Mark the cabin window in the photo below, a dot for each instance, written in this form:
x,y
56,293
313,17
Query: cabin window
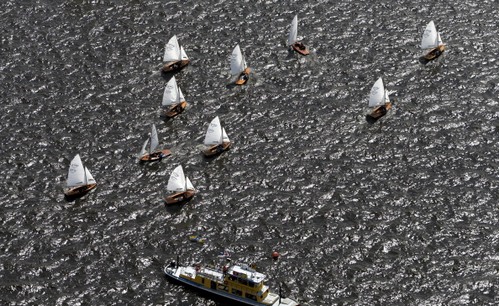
x,y
202,280
238,292
243,281
222,287
251,296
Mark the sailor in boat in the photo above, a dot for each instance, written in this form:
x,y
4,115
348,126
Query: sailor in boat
x,y
244,77
155,155
299,45
178,108
435,53
380,111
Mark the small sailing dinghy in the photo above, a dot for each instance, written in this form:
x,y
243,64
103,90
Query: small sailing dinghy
x,y
152,154
180,187
293,42
175,58
432,44
378,98
238,68
216,140
173,99
80,181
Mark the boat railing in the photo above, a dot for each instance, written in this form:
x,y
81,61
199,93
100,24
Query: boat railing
x,y
203,272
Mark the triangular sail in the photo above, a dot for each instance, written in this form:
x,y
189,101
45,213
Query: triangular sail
x,y
171,93
183,55
214,133
89,178
439,39
387,96
176,183
293,31
188,184
225,138
76,173
237,63
430,37
143,151
377,93
154,139
172,50
180,96
243,63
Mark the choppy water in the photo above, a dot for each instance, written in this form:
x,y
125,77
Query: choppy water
x,y
399,214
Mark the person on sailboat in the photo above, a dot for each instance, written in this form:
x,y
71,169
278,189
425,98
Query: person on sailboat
x,y
244,77
178,108
220,148
382,110
300,45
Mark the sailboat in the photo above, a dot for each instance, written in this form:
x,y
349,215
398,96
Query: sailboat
x,y
173,99
432,43
293,42
80,181
378,98
151,154
216,139
180,187
175,58
238,68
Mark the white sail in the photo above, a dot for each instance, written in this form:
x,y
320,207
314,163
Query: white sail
x,y
154,139
387,96
376,97
225,138
237,62
172,50
171,93
188,184
439,39
144,151
89,178
430,37
183,55
293,31
76,173
214,133
180,96
176,183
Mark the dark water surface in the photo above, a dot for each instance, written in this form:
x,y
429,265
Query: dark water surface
x,y
400,214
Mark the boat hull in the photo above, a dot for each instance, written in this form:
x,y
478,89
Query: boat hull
x,y
243,77
432,55
378,113
156,156
175,66
217,149
181,197
300,48
175,110
78,192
